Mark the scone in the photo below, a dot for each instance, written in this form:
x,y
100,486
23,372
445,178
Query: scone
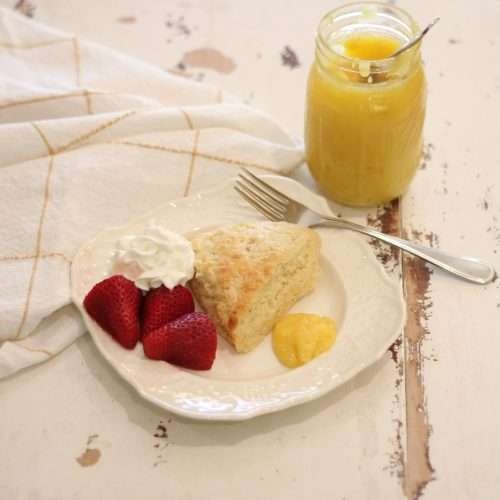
x,y
248,276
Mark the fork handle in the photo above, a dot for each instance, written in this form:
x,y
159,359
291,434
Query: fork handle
x,y
468,268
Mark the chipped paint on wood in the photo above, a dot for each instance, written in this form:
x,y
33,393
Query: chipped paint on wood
x,y
161,434
289,57
387,221
209,58
432,239
418,468
178,26
426,155
397,456
413,468
127,19
444,182
394,351
485,202
91,455
161,431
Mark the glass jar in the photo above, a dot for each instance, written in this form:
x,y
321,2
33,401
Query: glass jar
x,y
365,109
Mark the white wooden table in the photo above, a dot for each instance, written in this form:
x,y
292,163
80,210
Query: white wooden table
x,y
422,422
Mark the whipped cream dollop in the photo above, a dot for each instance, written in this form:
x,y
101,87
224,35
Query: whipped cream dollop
x,y
155,257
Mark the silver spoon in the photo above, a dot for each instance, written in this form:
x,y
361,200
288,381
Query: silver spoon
x,y
417,39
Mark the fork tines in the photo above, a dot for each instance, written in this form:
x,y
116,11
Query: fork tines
x,y
263,197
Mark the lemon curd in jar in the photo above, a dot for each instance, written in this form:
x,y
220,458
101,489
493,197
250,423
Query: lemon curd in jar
x,y
365,109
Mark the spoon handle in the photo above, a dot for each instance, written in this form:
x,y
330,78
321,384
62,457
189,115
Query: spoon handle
x,y
468,268
417,39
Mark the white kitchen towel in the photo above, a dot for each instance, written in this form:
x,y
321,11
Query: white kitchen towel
x,y
90,138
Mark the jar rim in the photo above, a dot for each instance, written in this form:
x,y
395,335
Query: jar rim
x,y
324,46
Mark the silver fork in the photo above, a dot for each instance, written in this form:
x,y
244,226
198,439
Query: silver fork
x,y
276,206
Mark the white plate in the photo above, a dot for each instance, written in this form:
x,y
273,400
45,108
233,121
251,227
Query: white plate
x,y
353,288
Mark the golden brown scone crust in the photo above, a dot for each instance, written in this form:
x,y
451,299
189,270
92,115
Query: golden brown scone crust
x,y
248,275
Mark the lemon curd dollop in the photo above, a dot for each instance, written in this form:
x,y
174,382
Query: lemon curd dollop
x,y
365,109
299,338
369,46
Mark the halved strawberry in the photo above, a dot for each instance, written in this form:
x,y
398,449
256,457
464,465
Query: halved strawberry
x,y
162,305
189,341
114,305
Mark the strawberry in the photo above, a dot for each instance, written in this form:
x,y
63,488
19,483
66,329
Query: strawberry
x,y
192,341
114,305
162,305
189,341
155,344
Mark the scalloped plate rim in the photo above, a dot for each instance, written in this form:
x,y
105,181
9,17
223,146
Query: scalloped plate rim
x,y
257,410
